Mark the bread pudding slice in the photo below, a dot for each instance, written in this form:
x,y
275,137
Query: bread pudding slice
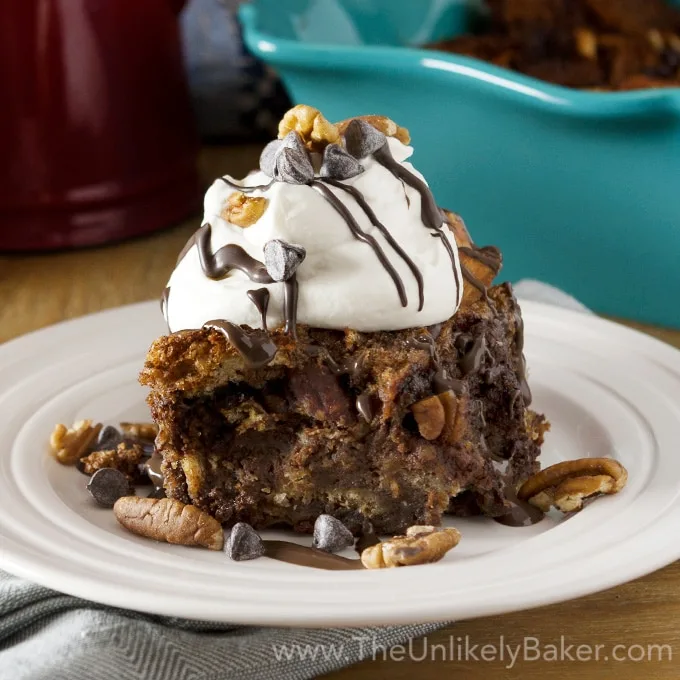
x,y
329,427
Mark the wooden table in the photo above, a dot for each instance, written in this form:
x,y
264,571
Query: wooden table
x,y
38,290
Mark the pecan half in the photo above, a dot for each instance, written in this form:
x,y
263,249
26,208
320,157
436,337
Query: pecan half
x,y
430,416
386,125
567,484
316,131
169,520
242,210
147,431
70,444
586,43
420,545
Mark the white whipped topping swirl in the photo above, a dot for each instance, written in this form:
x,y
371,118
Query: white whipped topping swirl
x,y
342,284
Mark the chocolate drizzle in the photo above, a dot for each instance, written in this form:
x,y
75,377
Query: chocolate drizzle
x,y
285,551
218,265
366,407
442,382
472,360
256,347
524,389
429,211
260,298
361,235
488,255
246,190
363,204
290,301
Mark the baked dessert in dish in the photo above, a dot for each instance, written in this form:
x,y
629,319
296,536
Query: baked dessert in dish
x,y
592,44
336,347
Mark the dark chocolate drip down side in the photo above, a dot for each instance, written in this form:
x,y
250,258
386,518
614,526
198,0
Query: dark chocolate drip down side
x,y
360,235
363,204
521,513
293,553
488,255
366,407
219,264
246,190
473,280
260,298
290,301
441,380
429,211
256,347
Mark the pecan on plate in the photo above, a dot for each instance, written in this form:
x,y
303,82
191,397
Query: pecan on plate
x,y
567,484
169,520
420,545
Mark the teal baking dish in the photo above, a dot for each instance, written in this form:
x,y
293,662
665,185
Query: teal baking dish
x,y
579,189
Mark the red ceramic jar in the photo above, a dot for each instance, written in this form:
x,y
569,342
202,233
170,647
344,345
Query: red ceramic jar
x,y
97,140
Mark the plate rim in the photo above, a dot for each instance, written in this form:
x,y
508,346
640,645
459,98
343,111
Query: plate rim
x,y
657,352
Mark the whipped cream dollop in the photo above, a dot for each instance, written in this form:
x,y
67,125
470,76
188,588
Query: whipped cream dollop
x,y
341,282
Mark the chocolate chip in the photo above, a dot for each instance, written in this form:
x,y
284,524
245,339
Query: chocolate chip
x,y
338,164
331,535
268,157
362,139
107,485
282,259
109,438
294,166
244,543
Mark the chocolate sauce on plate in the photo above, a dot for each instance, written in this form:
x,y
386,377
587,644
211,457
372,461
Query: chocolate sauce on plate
x,y
285,551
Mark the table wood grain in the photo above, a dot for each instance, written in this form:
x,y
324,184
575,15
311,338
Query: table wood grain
x,y
38,290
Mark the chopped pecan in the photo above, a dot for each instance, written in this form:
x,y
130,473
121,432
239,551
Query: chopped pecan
x,y
243,210
420,545
146,431
655,39
69,445
169,520
311,125
586,43
567,484
430,416
123,458
449,402
382,123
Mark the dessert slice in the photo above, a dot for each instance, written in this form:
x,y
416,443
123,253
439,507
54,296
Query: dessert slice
x,y
337,347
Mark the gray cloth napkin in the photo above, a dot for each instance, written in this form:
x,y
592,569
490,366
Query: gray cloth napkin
x,y
45,635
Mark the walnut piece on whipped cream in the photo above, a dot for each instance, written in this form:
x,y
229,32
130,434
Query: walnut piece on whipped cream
x,y
314,129
242,210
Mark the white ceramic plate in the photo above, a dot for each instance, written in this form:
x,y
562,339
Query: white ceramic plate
x,y
607,390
